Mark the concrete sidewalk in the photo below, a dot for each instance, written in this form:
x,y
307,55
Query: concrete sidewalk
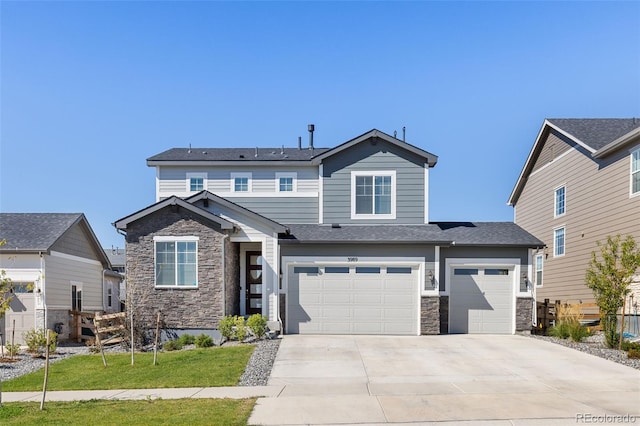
x,y
233,392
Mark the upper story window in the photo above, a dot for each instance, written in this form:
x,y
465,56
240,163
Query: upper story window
x,y
558,242
176,262
560,201
538,270
196,182
635,172
373,195
286,182
240,182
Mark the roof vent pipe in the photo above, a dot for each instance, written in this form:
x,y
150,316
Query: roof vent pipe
x,y
256,151
311,128
282,150
299,142
404,131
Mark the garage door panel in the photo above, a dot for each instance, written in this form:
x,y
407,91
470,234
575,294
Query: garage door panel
x,y
353,303
481,302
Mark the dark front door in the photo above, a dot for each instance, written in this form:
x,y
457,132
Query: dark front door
x,y
254,282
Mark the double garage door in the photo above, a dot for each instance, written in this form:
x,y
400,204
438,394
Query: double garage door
x,y
481,300
339,299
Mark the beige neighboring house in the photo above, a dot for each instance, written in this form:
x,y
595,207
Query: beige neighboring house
x,y
580,183
56,264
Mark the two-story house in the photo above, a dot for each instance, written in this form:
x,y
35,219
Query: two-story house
x,y
580,184
320,240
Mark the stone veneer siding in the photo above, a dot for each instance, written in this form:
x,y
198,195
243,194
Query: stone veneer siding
x,y
283,311
181,308
232,277
430,315
524,314
444,314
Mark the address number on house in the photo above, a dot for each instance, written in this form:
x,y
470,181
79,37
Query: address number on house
x,y
352,259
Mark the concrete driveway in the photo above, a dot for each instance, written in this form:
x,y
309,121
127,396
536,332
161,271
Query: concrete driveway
x,y
482,379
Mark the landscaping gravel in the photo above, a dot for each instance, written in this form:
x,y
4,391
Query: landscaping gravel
x,y
594,345
26,363
259,367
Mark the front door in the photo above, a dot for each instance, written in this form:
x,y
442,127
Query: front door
x,y
254,283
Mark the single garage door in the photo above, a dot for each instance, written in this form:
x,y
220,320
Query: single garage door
x,y
481,300
338,299
21,315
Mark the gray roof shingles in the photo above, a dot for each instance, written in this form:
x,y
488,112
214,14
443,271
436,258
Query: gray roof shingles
x,y
34,231
443,233
238,154
596,132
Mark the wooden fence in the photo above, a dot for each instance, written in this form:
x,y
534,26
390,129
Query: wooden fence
x,y
106,329
547,313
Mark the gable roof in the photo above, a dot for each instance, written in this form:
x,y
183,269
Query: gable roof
x,y
172,201
598,136
431,159
206,195
505,234
38,232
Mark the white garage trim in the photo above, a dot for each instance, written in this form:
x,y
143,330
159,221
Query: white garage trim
x,y
288,262
510,263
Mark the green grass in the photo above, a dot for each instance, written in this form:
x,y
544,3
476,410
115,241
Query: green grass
x,y
225,412
192,368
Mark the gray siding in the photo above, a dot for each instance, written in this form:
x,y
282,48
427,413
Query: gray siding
x,y
390,251
597,205
76,243
556,145
61,271
366,156
282,210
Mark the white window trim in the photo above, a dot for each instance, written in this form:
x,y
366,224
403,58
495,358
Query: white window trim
x,y
79,286
294,185
247,175
535,269
555,249
632,151
373,173
555,201
197,175
165,238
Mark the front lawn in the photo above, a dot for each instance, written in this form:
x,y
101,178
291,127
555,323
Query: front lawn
x,y
190,368
155,412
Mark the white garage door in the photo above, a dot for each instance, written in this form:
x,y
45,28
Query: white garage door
x,y
353,299
481,300
21,315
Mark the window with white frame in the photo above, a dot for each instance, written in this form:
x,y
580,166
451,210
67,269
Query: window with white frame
x,y
241,182
558,242
560,201
538,269
196,182
76,296
635,172
176,261
286,182
373,195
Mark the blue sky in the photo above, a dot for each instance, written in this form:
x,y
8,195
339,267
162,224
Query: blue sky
x,y
90,90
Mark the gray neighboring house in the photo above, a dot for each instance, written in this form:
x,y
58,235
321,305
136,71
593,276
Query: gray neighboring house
x,y
579,184
115,292
320,240
56,264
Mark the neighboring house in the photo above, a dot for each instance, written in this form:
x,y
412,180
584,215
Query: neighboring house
x,y
330,240
580,183
56,264
115,289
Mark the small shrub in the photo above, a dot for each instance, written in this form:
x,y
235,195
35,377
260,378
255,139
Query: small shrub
x,y
240,331
203,341
258,325
53,341
36,340
633,353
627,345
187,339
226,327
172,345
12,350
561,330
578,332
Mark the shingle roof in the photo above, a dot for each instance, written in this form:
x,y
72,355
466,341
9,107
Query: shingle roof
x,y
237,154
596,132
442,233
34,231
